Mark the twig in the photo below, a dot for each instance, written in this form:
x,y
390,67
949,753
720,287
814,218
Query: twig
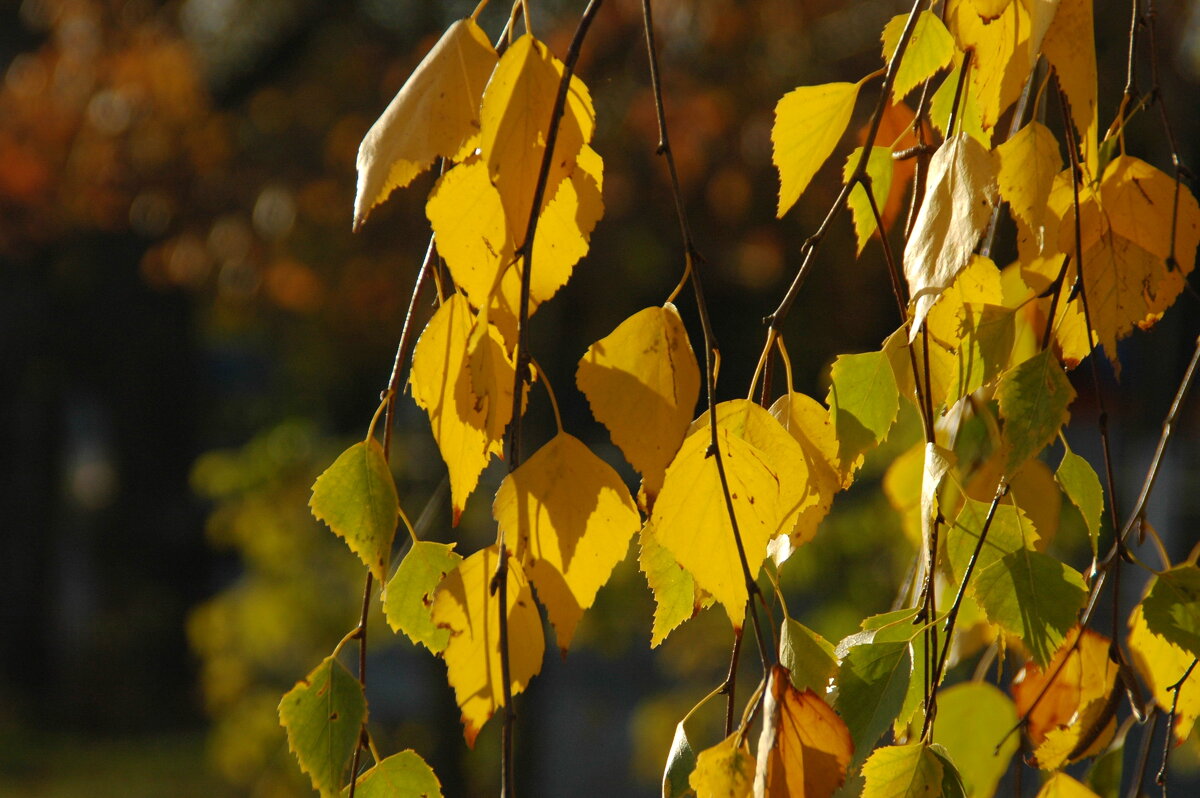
x,y
729,687
361,634
1176,688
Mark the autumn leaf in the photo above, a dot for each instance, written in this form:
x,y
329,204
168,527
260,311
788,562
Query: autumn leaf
x,y
570,518
879,170
1079,481
356,498
903,771
804,749
1161,665
1172,608
1025,168
768,485
808,421
642,383
809,122
807,656
323,715
930,49
1070,47
998,46
676,596
408,598
471,229
1034,398
1060,785
398,776
973,723
491,370
465,605
433,115
724,771
958,200
863,402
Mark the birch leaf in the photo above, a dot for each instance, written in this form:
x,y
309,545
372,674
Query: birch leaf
x,y
465,605
807,656
409,595
724,771
1034,398
570,517
998,45
468,221
903,771
958,201
323,715
973,720
809,122
435,113
1079,481
930,49
676,597
1060,785
402,775
1172,608
804,749
1162,664
1070,47
863,402
879,168
356,498
1025,168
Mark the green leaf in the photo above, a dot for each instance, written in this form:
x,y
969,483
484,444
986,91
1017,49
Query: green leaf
x,y
681,761
879,168
952,783
863,402
402,775
408,599
930,49
1034,597
985,343
897,627
356,498
1079,481
1172,608
903,771
872,681
323,715
1011,531
1104,777
807,656
973,721
1034,397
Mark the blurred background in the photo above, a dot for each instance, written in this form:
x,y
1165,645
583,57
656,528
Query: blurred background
x,y
190,334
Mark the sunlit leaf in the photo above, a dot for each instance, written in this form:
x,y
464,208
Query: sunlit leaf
x,y
809,122
569,517
1172,608
1010,531
642,382
809,423
356,497
903,771
724,771
1025,168
676,596
402,775
807,656
408,599
879,169
1060,785
323,715
465,605
1079,481
804,749
1000,53
959,196
863,402
434,114
1161,665
471,229
1034,398
873,679
1070,47
930,49
973,723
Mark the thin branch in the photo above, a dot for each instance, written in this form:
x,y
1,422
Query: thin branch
x,y
361,634
729,687
1176,688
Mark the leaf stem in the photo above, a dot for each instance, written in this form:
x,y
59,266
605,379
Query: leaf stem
x,y
549,392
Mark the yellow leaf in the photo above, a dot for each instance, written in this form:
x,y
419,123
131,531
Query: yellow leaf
x,y
809,122
1139,200
435,113
807,420
724,771
1025,168
804,749
492,375
570,518
879,169
441,385
1001,53
1070,47
1060,785
958,201
1161,665
930,49
468,223
969,118
902,486
1041,14
676,597
937,462
515,124
465,604
769,487
990,9
642,382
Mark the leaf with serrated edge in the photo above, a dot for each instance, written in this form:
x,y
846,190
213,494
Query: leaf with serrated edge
x,y
435,113
676,596
642,382
863,402
1033,596
356,497
1010,531
465,605
1172,608
1070,47
1025,168
724,771
408,597
807,656
1034,397
973,721
1079,481
903,771
402,775
1060,785
880,167
804,749
998,46
569,518
323,715
930,49
1161,665
809,122
959,196
873,680
807,420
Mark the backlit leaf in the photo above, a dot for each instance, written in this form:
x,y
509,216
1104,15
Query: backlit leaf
x,y
1025,168
465,605
958,201
967,116
1138,203
1060,785
973,721
402,775
642,382
1079,481
863,402
873,679
323,715
1161,665
1000,50
676,596
724,771
807,656
570,518
808,422
408,599
441,384
1172,608
1010,531
903,771
1034,398
356,497
768,485
930,49
1070,47
435,113
879,169
809,122
468,221
804,749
